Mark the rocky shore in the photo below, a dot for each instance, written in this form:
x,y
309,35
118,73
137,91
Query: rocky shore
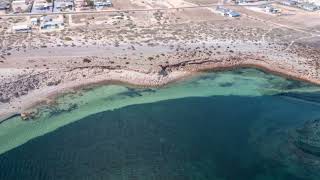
x,y
19,93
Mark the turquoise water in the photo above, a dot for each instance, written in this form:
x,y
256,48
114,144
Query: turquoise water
x,y
233,125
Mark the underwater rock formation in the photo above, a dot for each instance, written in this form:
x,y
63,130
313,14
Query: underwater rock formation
x,y
308,137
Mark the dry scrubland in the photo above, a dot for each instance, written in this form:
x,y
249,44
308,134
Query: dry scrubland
x,y
152,48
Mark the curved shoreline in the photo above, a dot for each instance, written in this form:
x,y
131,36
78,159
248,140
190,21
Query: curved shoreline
x,y
147,80
290,76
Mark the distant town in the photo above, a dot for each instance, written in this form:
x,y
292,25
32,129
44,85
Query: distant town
x,y
48,6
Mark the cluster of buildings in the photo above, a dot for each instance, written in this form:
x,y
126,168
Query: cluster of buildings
x,y
248,1
51,21
315,2
47,6
43,24
227,12
309,5
33,6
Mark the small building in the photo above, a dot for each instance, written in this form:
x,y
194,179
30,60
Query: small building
x,y
241,1
63,5
81,4
233,13
289,3
34,21
222,11
102,3
270,9
21,28
42,6
53,22
227,12
4,6
19,6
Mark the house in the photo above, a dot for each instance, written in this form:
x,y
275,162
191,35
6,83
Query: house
x,y
231,13
242,1
227,12
270,9
42,6
102,3
19,6
34,21
53,22
289,3
63,5
222,11
4,6
21,28
80,4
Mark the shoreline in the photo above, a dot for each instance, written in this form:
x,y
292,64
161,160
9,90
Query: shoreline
x,y
147,80
289,76
33,100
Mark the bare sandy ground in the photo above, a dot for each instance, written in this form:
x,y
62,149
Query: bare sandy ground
x,y
150,48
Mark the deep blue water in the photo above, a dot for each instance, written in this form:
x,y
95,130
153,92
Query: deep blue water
x,y
212,138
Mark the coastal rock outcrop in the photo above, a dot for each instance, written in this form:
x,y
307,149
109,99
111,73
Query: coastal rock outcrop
x,y
28,115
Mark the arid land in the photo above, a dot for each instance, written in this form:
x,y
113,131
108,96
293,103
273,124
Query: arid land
x,y
151,48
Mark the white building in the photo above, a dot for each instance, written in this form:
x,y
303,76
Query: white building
x,y
42,6
63,5
21,28
227,12
34,21
19,6
52,22
289,2
4,6
80,4
102,3
270,9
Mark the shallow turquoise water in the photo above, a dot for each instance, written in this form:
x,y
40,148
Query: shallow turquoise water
x,y
235,125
